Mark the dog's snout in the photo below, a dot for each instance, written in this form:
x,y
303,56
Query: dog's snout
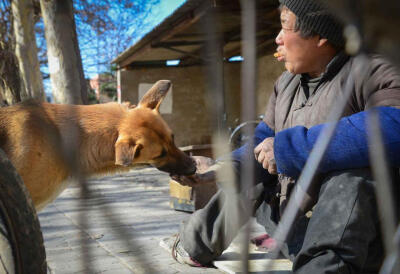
x,y
189,165
185,165
193,166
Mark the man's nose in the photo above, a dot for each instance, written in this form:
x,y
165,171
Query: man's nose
x,y
278,39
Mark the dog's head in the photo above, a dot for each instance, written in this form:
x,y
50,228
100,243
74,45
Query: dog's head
x,y
145,138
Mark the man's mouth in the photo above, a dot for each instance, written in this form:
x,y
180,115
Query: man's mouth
x,y
279,56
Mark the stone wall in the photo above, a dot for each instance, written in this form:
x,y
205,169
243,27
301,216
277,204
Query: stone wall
x,y
190,119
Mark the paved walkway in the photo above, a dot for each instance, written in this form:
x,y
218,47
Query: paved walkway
x,y
120,227
126,217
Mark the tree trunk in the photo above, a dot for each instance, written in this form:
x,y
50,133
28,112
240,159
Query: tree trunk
x,y
10,84
65,64
26,50
8,97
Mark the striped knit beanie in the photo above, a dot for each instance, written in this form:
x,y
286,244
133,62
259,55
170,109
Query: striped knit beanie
x,y
316,16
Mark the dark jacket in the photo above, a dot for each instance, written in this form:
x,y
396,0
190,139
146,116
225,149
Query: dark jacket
x,y
289,107
296,120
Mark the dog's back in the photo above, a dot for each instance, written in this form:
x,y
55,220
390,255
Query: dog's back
x,y
32,141
22,126
49,142
44,140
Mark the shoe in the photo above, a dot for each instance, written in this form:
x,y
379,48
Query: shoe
x,y
173,244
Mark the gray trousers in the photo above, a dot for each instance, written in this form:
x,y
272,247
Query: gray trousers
x,y
342,236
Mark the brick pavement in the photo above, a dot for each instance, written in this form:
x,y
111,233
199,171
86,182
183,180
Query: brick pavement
x,y
120,227
127,216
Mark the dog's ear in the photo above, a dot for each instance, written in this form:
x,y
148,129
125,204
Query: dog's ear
x,y
125,152
155,95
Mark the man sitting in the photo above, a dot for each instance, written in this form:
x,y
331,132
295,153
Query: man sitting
x,y
343,234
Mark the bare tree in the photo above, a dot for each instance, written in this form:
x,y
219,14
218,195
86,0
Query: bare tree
x,y
64,59
107,27
9,73
26,50
104,27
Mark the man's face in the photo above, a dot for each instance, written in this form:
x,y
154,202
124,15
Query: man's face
x,y
298,53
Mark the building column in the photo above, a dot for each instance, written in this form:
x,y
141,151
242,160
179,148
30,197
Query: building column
x,y
119,84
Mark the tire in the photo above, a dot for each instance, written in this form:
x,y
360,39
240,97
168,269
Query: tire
x,y
19,219
238,136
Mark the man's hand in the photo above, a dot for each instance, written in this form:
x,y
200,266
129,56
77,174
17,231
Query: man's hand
x,y
264,154
202,163
202,175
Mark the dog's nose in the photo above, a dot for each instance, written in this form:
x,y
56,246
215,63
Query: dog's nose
x,y
188,168
192,168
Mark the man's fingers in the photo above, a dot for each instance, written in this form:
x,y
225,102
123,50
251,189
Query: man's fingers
x,y
266,146
265,164
272,166
272,170
257,149
260,158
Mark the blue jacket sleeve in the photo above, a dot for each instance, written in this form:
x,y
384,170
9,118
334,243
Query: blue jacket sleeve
x,y
347,149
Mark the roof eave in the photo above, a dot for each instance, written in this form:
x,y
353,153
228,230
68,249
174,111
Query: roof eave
x,y
167,24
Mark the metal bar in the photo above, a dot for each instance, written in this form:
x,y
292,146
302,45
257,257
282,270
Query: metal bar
x,y
215,99
71,156
248,113
384,193
119,91
392,260
215,74
86,251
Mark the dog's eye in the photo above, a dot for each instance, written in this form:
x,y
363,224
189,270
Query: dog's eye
x,y
163,154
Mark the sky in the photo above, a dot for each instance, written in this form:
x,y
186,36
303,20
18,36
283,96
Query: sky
x,y
166,7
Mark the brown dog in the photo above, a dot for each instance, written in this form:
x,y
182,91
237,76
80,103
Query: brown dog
x,y
47,143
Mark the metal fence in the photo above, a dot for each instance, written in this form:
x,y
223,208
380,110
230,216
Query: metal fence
x,y
356,41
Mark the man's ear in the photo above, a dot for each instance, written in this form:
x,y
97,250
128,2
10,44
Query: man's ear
x,y
155,95
125,152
